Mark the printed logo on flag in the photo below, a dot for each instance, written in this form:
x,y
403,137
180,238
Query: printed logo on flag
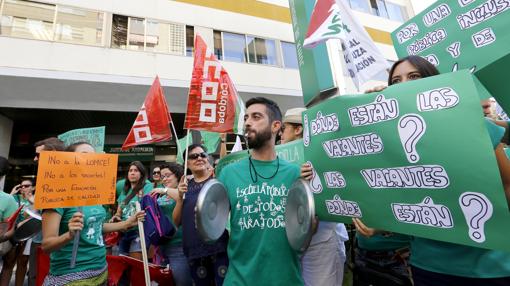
x,y
213,103
152,122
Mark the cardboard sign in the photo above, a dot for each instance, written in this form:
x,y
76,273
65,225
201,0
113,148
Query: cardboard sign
x,y
291,152
67,179
414,159
463,34
94,136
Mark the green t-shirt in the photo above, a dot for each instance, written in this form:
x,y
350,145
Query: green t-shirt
x,y
381,242
8,206
21,201
119,188
167,206
258,250
462,260
91,251
129,208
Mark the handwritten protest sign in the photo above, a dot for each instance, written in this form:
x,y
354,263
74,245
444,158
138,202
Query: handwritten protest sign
x,y
414,159
292,152
94,136
463,34
66,179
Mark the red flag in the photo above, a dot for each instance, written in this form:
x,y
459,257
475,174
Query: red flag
x,y
152,123
213,103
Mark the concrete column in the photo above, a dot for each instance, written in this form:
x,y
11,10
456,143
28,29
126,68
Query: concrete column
x,y
5,140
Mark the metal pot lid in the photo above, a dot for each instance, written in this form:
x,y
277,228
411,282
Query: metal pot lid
x,y
299,215
27,230
212,210
33,213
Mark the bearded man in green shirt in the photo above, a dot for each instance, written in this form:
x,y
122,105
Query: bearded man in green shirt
x,y
258,250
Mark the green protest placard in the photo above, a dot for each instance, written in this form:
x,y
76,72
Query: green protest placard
x,y
314,64
292,152
463,34
414,159
94,136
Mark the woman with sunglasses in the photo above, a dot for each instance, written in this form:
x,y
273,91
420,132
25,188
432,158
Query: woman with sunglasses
x,y
208,262
442,263
62,224
171,174
24,195
156,177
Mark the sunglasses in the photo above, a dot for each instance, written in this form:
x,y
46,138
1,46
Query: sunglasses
x,y
156,173
25,186
195,156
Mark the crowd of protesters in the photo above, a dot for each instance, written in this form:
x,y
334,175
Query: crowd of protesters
x,y
254,249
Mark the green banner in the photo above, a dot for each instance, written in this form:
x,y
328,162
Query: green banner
x,y
314,65
414,159
94,136
292,152
463,34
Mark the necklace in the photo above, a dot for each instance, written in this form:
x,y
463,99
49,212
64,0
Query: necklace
x,y
254,180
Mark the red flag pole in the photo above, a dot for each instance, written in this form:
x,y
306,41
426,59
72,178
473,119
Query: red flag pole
x,y
175,132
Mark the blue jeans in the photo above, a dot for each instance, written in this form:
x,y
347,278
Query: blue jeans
x,y
423,277
130,242
209,270
178,264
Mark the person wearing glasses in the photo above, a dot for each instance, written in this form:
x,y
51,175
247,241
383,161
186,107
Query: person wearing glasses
x,y
208,262
24,195
156,177
171,174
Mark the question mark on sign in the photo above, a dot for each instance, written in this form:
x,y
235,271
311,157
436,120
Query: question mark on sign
x,y
315,182
411,128
306,131
477,210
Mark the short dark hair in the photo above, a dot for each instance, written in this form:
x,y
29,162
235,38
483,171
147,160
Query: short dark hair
x,y
4,166
72,147
424,67
175,168
191,147
273,110
51,144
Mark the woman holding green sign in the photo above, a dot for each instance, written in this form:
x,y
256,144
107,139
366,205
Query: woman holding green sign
x,y
442,263
59,228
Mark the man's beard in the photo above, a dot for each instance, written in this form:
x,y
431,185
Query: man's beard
x,y
260,139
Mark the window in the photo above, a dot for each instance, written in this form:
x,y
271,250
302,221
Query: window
x,y
396,12
190,40
261,51
119,31
289,55
234,47
378,8
79,26
27,19
360,5
136,30
218,47
147,35
164,37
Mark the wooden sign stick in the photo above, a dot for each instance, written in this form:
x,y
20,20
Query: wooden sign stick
x,y
145,258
